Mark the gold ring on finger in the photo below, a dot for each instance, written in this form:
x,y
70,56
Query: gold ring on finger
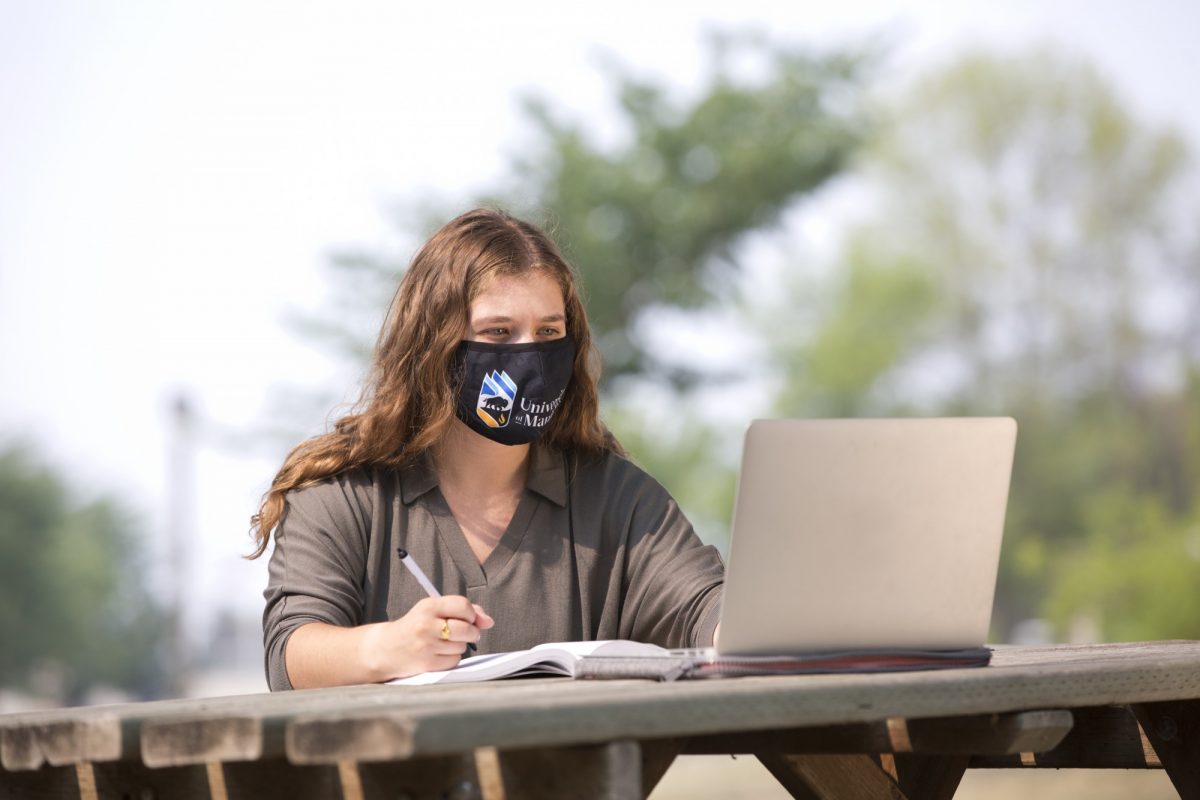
x,y
445,630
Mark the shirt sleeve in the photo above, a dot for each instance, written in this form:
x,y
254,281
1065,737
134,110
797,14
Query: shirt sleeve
x,y
316,569
673,580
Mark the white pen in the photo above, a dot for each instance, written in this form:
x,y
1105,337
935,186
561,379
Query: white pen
x,y
419,574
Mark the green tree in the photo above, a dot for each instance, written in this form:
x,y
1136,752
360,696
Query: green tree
x,y
653,221
1024,256
657,220
73,597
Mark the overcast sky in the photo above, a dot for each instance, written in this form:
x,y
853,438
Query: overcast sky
x,y
172,176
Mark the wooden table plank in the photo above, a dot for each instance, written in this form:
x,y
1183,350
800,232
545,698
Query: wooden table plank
x,y
174,741
580,712
229,728
109,732
62,741
446,719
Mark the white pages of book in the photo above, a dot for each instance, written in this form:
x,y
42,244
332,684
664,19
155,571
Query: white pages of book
x,y
552,658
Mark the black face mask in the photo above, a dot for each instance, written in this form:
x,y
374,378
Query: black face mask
x,y
509,392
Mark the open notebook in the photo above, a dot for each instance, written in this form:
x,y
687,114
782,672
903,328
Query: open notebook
x,y
617,658
552,658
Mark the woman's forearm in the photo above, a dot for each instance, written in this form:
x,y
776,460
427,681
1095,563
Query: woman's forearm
x,y
431,636
319,654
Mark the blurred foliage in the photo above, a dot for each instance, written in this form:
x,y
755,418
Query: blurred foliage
x,y
74,608
682,452
1044,212
1029,255
654,220
657,220
875,309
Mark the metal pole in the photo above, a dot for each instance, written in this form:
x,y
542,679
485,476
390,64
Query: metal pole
x,y
180,479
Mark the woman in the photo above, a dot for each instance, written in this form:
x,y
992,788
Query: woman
x,y
477,447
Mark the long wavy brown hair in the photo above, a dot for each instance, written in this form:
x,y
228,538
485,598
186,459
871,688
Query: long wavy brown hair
x,y
408,400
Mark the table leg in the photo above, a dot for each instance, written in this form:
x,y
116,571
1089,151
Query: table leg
x,y
434,776
657,757
611,771
930,777
824,777
1173,729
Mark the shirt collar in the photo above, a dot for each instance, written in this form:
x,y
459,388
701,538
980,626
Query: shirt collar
x,y
547,475
417,477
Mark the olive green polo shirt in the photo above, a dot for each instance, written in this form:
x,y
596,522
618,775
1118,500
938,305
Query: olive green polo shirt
x,y
596,550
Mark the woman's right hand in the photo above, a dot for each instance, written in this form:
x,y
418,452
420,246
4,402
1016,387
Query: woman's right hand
x,y
413,643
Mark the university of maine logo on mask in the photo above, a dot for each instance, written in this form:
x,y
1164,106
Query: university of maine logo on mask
x,y
496,399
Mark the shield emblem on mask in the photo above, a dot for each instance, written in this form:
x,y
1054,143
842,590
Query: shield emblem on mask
x,y
496,399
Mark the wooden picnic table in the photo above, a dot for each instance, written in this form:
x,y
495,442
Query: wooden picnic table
x,y
897,735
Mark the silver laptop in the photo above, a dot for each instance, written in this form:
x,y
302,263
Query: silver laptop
x,y
866,533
